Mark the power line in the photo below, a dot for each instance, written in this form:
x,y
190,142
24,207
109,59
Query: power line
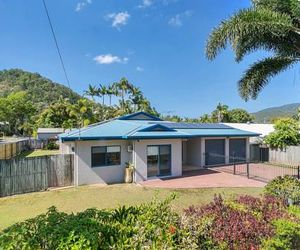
x,y
56,44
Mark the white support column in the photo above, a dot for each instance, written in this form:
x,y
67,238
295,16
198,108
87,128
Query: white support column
x,y
247,149
226,150
202,152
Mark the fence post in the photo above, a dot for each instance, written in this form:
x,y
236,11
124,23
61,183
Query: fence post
x,y
298,175
248,174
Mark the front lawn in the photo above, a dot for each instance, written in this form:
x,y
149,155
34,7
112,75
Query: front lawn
x,y
20,207
39,152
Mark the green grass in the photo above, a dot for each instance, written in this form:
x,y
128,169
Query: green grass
x,y
20,207
39,152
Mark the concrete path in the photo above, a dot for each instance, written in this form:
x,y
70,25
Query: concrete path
x,y
204,179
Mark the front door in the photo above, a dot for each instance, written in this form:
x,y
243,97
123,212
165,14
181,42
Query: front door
x,y
158,160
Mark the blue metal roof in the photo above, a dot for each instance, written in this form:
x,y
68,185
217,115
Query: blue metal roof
x,y
136,126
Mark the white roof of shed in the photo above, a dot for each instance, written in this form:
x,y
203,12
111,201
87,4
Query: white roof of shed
x,y
260,128
50,130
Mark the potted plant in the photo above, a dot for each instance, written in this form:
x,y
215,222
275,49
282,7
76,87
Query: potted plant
x,y
129,168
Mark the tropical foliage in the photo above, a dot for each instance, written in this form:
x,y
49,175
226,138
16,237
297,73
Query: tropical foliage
x,y
29,101
244,222
286,188
148,226
271,25
40,90
16,113
222,113
286,134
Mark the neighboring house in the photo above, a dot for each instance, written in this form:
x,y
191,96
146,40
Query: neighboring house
x,y
262,129
48,133
157,148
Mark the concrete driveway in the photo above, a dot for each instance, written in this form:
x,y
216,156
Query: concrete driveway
x,y
205,178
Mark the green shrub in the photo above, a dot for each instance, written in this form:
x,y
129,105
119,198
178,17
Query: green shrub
x,y
286,134
287,188
152,226
287,236
52,146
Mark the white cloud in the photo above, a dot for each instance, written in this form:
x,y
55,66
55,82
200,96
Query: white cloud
x,y
118,19
140,69
176,21
82,4
110,59
145,4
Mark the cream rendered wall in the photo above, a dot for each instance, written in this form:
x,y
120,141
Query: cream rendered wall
x,y
103,175
140,156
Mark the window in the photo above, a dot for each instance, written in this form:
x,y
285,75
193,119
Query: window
x,y
106,156
159,160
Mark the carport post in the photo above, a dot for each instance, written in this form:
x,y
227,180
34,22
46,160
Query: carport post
x,y
234,166
248,169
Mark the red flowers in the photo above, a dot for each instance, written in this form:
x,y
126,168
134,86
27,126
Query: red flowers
x,y
172,229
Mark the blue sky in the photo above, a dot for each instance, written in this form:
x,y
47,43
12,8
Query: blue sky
x,y
157,44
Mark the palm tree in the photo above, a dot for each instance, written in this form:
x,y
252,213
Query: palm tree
x,y
220,114
271,25
124,86
91,91
112,90
136,96
102,91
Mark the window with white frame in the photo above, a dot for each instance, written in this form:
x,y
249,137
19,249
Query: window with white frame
x,y
106,156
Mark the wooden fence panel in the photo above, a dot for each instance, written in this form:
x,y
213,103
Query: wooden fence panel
x,y
289,156
18,176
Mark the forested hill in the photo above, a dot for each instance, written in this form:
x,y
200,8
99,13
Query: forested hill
x,y
41,90
266,115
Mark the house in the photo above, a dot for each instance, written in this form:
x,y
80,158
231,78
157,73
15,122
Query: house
x,y
48,133
259,128
157,148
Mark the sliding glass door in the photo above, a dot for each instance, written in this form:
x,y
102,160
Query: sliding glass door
x,y
159,160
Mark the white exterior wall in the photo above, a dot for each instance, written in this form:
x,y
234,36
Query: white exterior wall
x,y
140,157
66,147
102,175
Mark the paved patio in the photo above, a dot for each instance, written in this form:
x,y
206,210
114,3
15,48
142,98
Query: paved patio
x,y
205,178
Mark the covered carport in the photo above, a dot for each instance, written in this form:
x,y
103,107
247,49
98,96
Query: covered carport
x,y
201,152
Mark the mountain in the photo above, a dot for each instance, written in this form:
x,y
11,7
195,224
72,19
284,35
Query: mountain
x,y
41,90
266,115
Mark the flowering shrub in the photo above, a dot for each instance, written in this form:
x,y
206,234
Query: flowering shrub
x,y
242,223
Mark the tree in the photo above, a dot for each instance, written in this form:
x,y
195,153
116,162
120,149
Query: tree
x,y
271,25
286,134
57,115
84,113
92,91
205,118
102,91
111,90
17,110
220,114
240,116
124,86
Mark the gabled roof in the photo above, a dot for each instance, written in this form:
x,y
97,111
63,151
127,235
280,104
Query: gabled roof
x,y
140,116
144,126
